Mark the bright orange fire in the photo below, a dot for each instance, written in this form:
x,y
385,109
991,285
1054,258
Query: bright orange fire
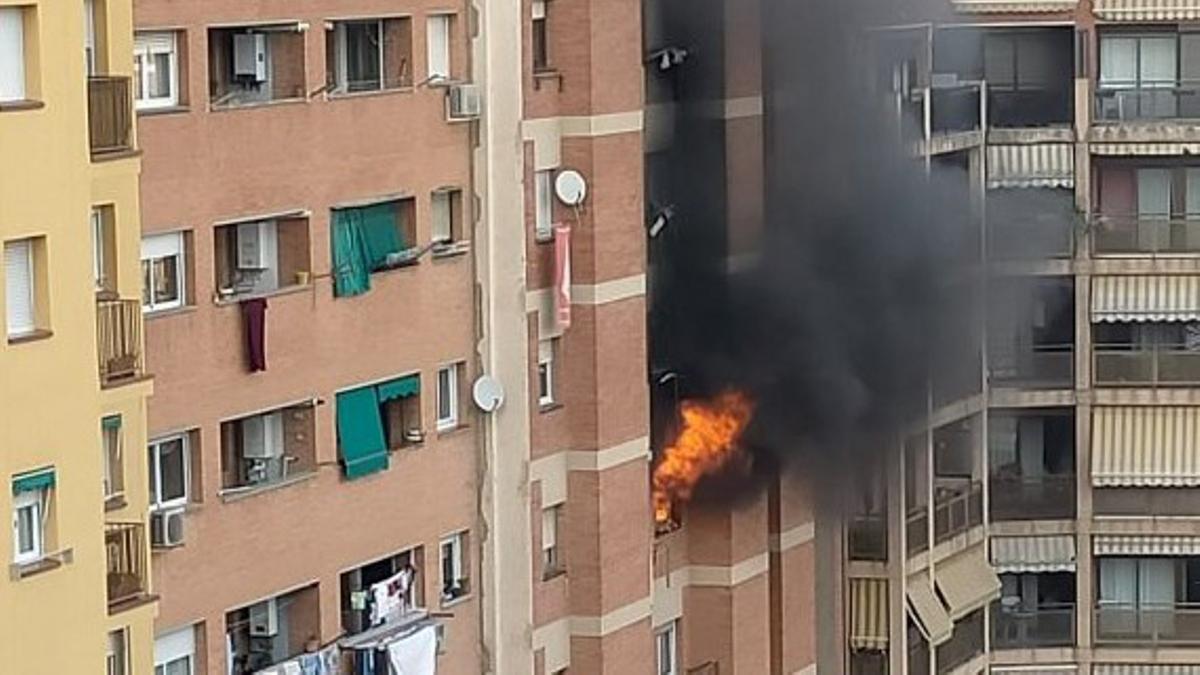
x,y
707,442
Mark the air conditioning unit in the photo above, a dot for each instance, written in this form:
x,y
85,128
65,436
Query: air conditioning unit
x,y
166,528
252,246
262,436
264,619
250,56
463,102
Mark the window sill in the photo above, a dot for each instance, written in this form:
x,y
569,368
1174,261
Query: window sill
x,y
446,604
451,249
340,95
118,382
126,604
230,495
227,300
250,105
547,75
540,238
448,431
554,573
163,313
114,155
23,104
544,408
34,336
115,502
163,110
46,563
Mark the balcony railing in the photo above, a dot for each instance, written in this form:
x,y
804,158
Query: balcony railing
x,y
110,114
956,108
964,644
1158,624
867,539
1022,108
1156,365
1044,497
1133,235
1130,101
1038,366
956,511
119,339
125,546
917,531
1044,626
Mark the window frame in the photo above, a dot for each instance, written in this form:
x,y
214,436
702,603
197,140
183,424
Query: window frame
x,y
30,247
154,468
342,43
671,649
543,195
146,46
121,652
552,563
36,500
177,247
178,646
451,419
539,38
114,461
20,70
444,56
545,372
441,208
456,543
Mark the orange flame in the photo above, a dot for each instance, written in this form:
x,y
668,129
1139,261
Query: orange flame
x,y
707,443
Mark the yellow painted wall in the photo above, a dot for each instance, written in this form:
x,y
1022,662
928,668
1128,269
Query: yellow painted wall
x,y
51,402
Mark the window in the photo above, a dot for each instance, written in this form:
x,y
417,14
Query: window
x,y
155,70
103,249
666,648
114,471
447,398
454,576
169,467
89,36
369,55
369,239
29,512
12,54
175,652
20,281
162,271
438,34
551,559
543,189
382,591
545,365
272,631
255,64
1139,76
116,657
541,60
261,256
446,207
267,448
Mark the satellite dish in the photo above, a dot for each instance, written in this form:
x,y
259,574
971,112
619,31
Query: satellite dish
x,y
488,393
570,187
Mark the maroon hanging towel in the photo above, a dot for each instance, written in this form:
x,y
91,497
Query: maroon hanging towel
x,y
254,319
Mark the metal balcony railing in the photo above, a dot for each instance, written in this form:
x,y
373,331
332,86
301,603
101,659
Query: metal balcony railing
x,y
956,511
956,108
1043,626
1134,235
1040,498
917,531
125,547
119,339
867,537
1034,107
110,114
1157,624
1127,101
1035,366
1163,365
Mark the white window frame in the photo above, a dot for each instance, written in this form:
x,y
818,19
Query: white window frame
x,y
171,648
442,216
455,543
543,190
159,247
114,466
666,648
34,500
89,35
18,330
155,467
437,53
12,54
551,551
117,663
450,388
545,365
98,262
148,44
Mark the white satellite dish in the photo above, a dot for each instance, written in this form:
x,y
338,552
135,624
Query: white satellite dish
x,y
570,187
488,393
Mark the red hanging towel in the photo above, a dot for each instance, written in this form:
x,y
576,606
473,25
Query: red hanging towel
x,y
254,319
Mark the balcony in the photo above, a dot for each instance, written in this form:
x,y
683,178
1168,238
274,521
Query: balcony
x,y
1043,626
1123,102
1131,235
119,340
956,108
964,644
110,115
1040,366
867,538
125,546
1049,497
917,530
1154,624
1151,366
957,510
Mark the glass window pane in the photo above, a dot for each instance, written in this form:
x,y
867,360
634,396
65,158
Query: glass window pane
x,y
362,56
160,76
1118,62
1154,193
1158,62
153,473
26,522
172,469
166,280
443,394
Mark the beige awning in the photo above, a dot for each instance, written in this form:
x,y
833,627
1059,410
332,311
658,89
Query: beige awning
x,y
1033,554
966,582
868,614
1144,669
1038,165
1147,10
1014,6
1145,544
929,613
1064,669
1145,298
1145,446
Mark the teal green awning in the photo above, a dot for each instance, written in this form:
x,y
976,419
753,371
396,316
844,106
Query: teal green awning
x,y
360,433
405,386
33,481
111,422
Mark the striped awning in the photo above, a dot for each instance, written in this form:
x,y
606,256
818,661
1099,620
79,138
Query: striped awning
x,y
868,614
1145,446
1144,669
1145,544
1033,554
966,582
930,615
1144,149
1038,165
1145,298
1147,10
1014,6
1064,669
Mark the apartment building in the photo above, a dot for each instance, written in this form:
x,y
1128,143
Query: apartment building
x,y
74,384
